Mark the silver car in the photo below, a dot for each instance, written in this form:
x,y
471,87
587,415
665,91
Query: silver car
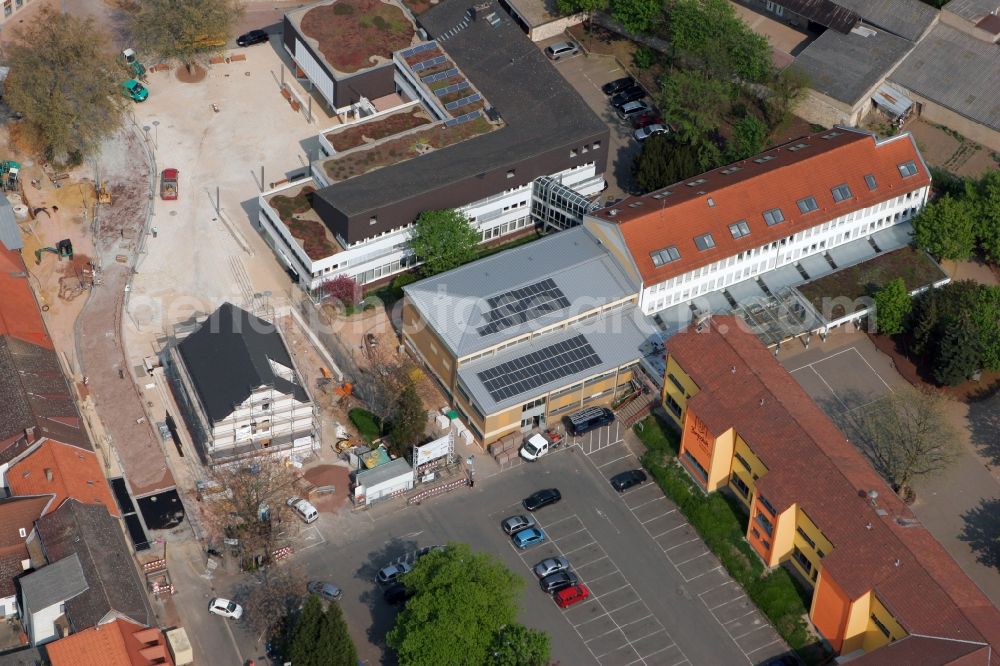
x,y
644,133
561,50
516,523
327,591
392,572
551,565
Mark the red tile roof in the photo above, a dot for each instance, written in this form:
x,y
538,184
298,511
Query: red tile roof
x,y
64,471
19,314
811,464
16,514
788,173
922,650
118,643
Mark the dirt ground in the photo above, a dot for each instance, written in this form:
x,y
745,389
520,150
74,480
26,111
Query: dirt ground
x,y
942,148
329,475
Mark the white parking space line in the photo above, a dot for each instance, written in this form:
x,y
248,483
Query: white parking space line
x,y
566,536
611,462
757,628
668,531
587,545
682,543
631,603
666,513
655,499
629,624
610,573
693,558
776,640
561,520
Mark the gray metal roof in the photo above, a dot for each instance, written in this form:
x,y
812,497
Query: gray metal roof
x,y
615,336
971,10
455,303
53,584
847,67
779,278
894,237
370,478
852,253
541,110
10,235
816,266
957,71
906,18
825,12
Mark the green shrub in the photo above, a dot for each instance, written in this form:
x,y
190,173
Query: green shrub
x,y
643,58
368,424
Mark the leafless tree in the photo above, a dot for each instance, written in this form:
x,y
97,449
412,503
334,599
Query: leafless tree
x,y
907,435
276,592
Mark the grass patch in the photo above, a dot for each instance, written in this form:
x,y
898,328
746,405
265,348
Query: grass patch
x,y
356,135
311,234
866,278
721,523
368,424
523,240
351,32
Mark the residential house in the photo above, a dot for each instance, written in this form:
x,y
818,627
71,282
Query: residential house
x,y
17,520
239,390
44,597
61,471
116,643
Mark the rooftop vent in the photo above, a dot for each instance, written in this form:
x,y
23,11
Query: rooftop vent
x,y
863,31
613,212
48,474
711,202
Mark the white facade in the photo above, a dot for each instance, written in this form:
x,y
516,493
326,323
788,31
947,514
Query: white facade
x,y
812,241
499,215
41,626
266,415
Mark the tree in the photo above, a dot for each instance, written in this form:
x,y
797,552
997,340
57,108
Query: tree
x,y
709,35
696,105
988,216
65,84
273,596
892,304
637,16
188,31
342,289
907,435
958,354
302,647
408,420
443,239
748,138
334,646
460,601
588,7
924,321
251,502
786,89
663,161
517,645
946,228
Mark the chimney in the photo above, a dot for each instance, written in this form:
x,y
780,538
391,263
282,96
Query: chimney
x,y
48,474
29,434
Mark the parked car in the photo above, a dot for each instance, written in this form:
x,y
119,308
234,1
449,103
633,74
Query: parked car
x,y
225,608
528,537
568,596
644,133
643,119
551,565
427,550
164,430
625,480
396,594
516,523
561,50
614,87
251,38
628,95
306,511
135,90
390,573
591,418
323,590
557,581
537,500
631,109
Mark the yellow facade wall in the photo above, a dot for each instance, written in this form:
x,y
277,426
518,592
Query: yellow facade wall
x,y
874,637
680,395
747,473
784,535
812,543
722,460
428,345
858,619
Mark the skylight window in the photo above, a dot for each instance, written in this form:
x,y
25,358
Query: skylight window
x,y
731,170
704,242
773,216
662,195
872,184
841,192
765,158
830,135
798,146
665,256
740,229
807,205
907,169
697,182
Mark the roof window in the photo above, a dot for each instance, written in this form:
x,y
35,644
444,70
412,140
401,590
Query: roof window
x,y
662,195
907,169
665,256
841,192
697,182
731,170
798,146
773,216
764,158
830,135
872,184
704,242
740,229
807,205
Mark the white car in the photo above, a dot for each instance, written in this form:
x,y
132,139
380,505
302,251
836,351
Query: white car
x,y
644,133
226,608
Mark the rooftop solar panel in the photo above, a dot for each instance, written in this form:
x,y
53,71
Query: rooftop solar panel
x,y
462,102
419,49
440,76
530,371
518,306
455,87
472,115
424,64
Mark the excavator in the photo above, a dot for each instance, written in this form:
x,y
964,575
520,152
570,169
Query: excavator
x,y
64,249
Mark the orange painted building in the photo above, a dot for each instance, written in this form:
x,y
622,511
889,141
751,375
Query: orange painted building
x,y
883,588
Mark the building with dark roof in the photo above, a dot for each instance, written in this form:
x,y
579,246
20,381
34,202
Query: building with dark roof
x,y
45,594
238,388
880,584
810,15
795,207
93,536
909,19
17,520
485,115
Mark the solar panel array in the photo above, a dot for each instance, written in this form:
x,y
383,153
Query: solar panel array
x,y
472,115
455,87
462,102
440,76
431,62
530,371
419,49
522,305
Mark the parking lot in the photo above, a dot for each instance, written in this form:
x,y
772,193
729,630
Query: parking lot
x,y
658,596
587,73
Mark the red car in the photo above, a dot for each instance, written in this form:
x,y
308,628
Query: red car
x,y
647,119
569,596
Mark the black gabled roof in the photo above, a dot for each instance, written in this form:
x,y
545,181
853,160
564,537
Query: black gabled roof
x,y
825,12
229,356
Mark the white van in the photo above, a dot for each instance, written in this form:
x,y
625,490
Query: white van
x,y
306,511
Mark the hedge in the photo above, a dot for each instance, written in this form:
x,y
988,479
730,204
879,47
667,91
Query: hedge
x,y
721,524
366,423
